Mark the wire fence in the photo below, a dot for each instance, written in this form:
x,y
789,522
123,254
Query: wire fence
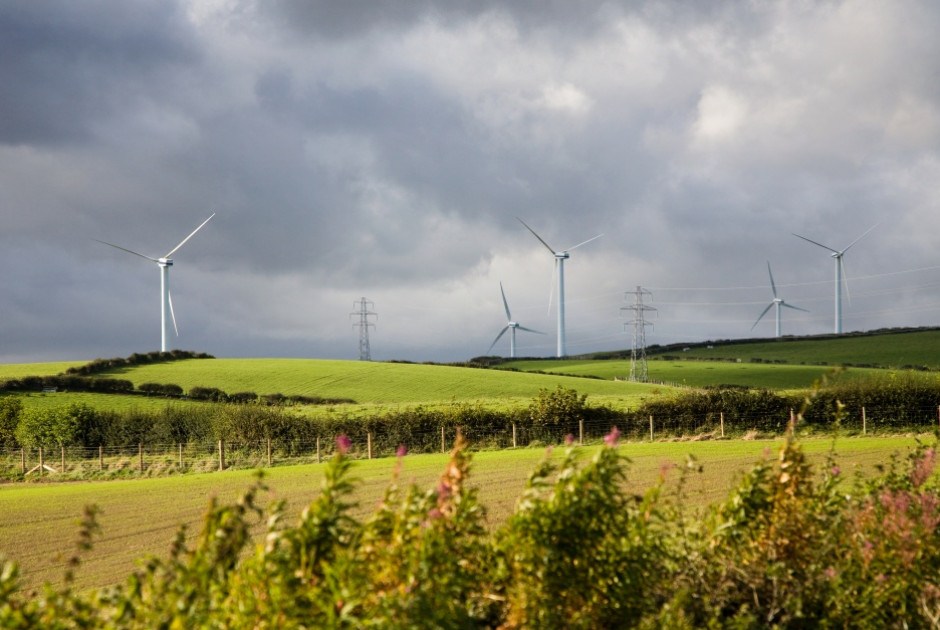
x,y
76,462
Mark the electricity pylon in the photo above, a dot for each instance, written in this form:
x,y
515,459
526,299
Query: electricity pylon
x,y
364,314
638,370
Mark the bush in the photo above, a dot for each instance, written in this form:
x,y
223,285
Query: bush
x,y
10,411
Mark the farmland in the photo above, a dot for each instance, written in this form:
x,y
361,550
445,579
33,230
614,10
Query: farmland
x,y
38,523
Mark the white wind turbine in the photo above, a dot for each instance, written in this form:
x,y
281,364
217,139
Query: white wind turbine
x,y
164,263
511,326
840,270
560,258
777,301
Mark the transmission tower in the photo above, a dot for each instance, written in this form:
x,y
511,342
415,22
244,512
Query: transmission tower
x,y
364,314
638,371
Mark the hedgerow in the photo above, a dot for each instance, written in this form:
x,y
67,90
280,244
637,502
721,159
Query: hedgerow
x,y
790,547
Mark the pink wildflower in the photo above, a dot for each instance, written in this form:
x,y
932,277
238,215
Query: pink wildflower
x,y
402,451
342,444
569,440
611,438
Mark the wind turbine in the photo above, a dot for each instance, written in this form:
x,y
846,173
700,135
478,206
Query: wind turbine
x,y
512,326
560,258
164,263
840,270
777,301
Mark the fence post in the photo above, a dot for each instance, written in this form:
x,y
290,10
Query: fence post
x,y
581,432
443,446
318,449
651,427
100,457
369,443
42,461
23,458
180,447
63,459
221,455
514,435
864,422
722,416
269,451
140,455
792,420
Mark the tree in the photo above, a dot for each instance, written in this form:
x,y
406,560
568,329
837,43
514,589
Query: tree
x,y
10,410
562,407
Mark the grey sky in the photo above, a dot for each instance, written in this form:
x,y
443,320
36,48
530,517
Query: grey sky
x,y
385,150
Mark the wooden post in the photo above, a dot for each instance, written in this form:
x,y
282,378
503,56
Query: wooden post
x,y
63,459
864,422
100,457
581,432
181,455
42,461
269,451
722,416
221,455
792,420
443,446
514,435
23,458
318,449
140,454
651,427
369,443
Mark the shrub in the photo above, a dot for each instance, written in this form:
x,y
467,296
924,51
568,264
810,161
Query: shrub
x,y
10,411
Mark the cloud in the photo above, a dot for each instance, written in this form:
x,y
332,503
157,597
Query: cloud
x,y
386,151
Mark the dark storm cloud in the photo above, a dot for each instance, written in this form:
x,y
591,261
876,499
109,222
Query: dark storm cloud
x,y
66,66
385,150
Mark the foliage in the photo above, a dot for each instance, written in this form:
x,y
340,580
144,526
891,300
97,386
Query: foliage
x,y
791,547
10,410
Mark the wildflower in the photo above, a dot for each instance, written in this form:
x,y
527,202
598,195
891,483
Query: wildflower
x,y
342,444
569,439
402,450
611,438
835,471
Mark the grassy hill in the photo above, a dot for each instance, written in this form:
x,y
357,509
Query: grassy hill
x,y
692,373
886,349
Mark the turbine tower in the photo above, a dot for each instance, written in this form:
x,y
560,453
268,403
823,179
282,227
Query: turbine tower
x,y
777,301
559,271
365,354
840,270
166,301
638,351
511,326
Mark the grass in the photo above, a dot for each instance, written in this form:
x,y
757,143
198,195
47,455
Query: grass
x,y
889,350
38,522
698,373
19,370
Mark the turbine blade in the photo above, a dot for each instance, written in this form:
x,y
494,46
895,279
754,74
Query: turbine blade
x,y
501,333
834,251
769,306
129,251
585,242
505,303
538,332
547,246
169,298
796,308
859,238
773,287
183,242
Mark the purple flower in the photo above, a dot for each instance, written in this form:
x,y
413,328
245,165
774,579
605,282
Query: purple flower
x,y
835,471
569,440
342,444
402,451
612,438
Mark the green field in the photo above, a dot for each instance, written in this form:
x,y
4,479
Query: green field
x,y
19,370
698,373
373,383
38,522
890,350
